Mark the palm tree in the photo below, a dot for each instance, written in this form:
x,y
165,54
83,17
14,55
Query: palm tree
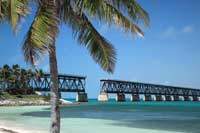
x,y
7,73
77,15
1,78
16,75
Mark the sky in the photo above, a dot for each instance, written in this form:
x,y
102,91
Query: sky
x,y
168,54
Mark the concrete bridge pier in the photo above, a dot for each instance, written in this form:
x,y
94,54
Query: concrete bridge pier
x,y
147,97
81,97
103,97
120,97
191,98
163,98
196,98
188,98
182,98
153,97
135,97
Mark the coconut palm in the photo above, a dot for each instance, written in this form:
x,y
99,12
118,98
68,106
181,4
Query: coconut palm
x,y
77,15
7,72
16,75
1,74
1,78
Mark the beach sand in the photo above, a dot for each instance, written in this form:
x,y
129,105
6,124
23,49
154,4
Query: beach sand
x,y
4,129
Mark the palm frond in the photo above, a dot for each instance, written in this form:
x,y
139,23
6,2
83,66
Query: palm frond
x,y
4,13
15,10
125,13
90,7
132,8
41,33
100,49
106,10
0,12
112,14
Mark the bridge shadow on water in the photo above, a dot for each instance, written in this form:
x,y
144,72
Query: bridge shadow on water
x,y
165,117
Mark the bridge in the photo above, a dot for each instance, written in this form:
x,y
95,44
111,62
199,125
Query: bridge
x,y
148,91
66,83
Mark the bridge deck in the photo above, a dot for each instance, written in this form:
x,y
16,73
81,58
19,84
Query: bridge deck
x,y
66,83
128,87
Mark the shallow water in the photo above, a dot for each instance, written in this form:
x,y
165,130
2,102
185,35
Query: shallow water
x,y
109,117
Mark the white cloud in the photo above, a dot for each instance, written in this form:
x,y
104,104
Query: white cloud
x,y
166,82
172,31
187,29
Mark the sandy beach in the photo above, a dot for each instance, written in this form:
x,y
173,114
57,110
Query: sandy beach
x,y
5,129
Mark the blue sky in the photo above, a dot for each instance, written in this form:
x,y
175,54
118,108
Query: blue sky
x,y
168,54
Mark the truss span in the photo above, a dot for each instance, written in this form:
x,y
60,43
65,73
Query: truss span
x,y
66,83
127,87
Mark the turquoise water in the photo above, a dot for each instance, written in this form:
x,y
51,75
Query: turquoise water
x,y
109,117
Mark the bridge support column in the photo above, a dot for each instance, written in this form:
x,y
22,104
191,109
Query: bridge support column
x,y
147,98
81,97
163,98
135,97
169,98
196,98
153,97
188,98
191,98
159,98
182,98
120,97
103,97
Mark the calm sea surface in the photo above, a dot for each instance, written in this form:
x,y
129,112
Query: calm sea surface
x,y
109,117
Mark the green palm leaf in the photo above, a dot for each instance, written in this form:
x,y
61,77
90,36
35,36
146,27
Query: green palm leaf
x,y
13,10
41,33
133,9
123,13
100,49
121,20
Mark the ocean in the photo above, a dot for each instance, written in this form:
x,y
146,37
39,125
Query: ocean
x,y
109,117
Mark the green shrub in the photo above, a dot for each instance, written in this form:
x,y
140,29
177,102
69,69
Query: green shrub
x,y
47,98
5,95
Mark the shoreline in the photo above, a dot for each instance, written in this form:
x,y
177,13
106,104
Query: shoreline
x,y
10,102
22,103
6,129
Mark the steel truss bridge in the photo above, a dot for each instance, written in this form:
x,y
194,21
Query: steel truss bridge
x,y
127,87
66,83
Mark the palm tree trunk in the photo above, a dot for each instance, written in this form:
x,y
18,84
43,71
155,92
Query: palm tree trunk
x,y
55,111
0,9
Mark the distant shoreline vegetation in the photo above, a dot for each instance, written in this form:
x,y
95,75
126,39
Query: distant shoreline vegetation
x,y
14,89
15,79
